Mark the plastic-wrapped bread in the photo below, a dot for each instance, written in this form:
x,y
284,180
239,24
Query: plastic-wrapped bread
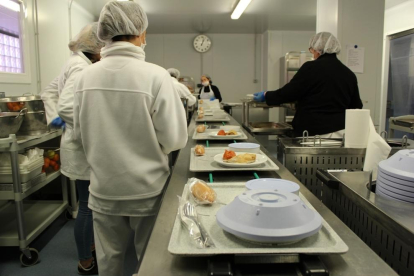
x,y
201,128
202,193
200,116
199,150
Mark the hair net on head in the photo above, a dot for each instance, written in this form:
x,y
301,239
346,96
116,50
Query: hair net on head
x,y
174,72
121,18
87,40
207,76
325,43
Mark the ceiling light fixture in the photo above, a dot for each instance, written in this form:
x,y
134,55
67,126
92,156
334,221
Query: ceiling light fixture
x,y
11,5
241,6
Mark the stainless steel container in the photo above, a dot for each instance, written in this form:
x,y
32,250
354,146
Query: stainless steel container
x,y
10,122
34,122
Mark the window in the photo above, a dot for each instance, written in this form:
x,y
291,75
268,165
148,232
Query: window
x,y
11,58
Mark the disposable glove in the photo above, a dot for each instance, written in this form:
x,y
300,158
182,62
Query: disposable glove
x,y
212,99
58,122
259,96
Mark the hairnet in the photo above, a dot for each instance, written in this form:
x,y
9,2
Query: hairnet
x,y
174,72
325,42
207,76
121,18
87,40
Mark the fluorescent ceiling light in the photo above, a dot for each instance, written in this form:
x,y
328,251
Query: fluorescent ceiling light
x,y
10,5
241,6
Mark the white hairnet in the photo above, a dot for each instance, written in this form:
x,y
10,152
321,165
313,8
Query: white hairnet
x,y
207,76
174,72
87,40
325,43
121,18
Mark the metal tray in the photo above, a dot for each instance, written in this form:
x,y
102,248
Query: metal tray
x,y
207,164
404,122
205,136
325,242
270,127
214,118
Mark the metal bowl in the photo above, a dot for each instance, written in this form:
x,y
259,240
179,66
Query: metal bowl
x,y
10,122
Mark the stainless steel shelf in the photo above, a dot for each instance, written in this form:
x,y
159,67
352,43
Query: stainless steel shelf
x,y
37,214
10,195
24,142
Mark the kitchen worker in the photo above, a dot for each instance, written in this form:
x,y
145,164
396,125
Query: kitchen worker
x,y
129,119
209,91
323,89
182,90
58,99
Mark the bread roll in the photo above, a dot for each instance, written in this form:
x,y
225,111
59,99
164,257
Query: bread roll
x,y
201,128
202,192
200,116
199,150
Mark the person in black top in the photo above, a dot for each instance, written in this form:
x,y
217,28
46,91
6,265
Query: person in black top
x,y
323,89
209,91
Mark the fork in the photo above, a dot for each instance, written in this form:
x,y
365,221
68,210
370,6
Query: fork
x,y
191,213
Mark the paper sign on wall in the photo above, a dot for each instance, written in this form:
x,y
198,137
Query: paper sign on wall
x,y
355,58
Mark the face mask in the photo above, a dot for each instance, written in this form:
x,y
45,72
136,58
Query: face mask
x,y
206,83
143,45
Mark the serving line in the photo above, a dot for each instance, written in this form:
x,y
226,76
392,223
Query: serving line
x,y
359,260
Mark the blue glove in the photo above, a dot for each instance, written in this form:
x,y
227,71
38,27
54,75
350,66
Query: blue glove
x,y
212,99
259,96
58,122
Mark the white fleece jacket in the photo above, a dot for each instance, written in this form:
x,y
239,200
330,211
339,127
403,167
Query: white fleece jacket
x,y
128,118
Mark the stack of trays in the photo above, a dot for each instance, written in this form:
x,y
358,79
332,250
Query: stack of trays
x,y
395,178
27,171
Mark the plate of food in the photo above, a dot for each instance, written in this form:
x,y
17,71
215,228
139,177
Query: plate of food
x,y
223,133
240,159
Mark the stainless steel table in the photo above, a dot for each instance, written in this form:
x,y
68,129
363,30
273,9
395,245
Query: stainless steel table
x,y
359,260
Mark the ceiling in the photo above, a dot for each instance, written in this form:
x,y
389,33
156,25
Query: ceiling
x,y
213,16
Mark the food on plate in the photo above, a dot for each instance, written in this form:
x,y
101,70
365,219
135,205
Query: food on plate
x,y
201,128
244,158
199,150
15,106
228,154
200,116
203,193
221,133
224,133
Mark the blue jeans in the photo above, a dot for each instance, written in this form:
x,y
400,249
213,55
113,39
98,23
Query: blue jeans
x,y
84,225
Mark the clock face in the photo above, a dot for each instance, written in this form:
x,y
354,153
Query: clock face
x,y
202,43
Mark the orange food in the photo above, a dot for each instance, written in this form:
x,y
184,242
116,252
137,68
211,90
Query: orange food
x,y
56,167
47,161
52,163
228,154
46,165
15,106
43,171
56,157
221,132
10,106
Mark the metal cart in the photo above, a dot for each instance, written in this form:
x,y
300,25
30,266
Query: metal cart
x,y
402,123
23,220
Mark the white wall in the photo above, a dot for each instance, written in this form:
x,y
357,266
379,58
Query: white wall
x,y
53,41
230,61
399,18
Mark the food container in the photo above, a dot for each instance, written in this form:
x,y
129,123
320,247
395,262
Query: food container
x,y
245,147
10,122
267,216
273,184
34,122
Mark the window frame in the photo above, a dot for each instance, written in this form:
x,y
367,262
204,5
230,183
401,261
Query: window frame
x,y
26,76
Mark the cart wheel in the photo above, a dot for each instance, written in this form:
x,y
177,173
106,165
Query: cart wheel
x,y
32,261
68,215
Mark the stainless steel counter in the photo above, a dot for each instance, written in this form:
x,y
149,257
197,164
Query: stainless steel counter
x,y
359,260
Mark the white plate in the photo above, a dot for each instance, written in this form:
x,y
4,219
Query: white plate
x,y
260,159
215,135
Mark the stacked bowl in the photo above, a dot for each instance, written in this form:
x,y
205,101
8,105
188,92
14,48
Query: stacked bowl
x,y
395,178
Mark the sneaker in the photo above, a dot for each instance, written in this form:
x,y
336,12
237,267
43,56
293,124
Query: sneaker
x,y
91,270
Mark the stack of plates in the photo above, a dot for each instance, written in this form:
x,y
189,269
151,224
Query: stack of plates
x,y
395,178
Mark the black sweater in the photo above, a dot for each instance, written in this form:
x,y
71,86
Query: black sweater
x,y
323,90
215,89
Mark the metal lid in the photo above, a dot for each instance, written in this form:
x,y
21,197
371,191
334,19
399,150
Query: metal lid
x,y
21,99
269,216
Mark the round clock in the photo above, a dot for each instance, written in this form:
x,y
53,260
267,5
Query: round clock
x,y
202,43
